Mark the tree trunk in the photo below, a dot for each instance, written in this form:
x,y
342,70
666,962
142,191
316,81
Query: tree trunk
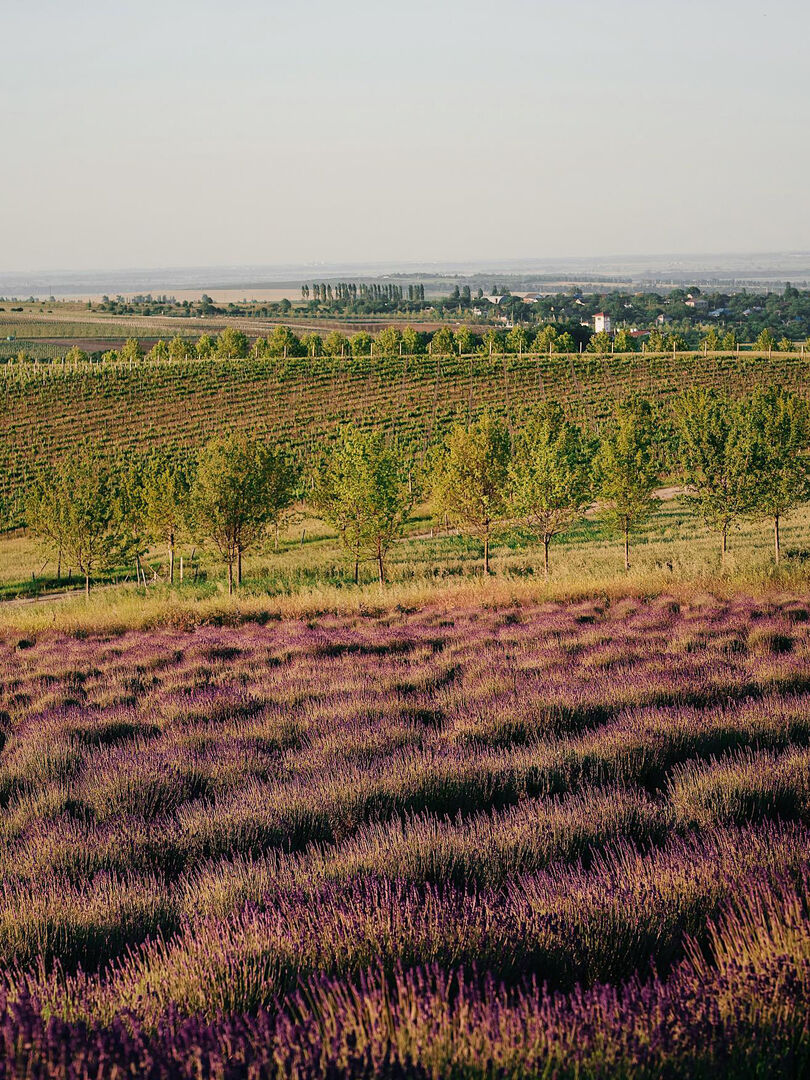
x,y
87,585
356,571
239,567
59,567
171,559
626,544
230,577
546,539
486,554
381,568
776,548
724,547
138,571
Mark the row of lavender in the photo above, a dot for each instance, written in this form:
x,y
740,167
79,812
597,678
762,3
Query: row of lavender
x,y
281,846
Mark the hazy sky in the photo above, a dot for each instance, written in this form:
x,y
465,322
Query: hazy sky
x,y
202,132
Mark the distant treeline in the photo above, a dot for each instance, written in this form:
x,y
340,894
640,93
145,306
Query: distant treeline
x,y
688,312
548,338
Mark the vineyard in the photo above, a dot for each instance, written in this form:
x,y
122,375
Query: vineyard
x,y
47,409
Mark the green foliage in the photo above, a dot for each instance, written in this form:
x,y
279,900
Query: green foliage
x,y
232,343
336,344
464,340
730,341
388,341
600,343
471,478
75,355
205,346
626,468
624,342
766,341
716,456
411,341
242,487
517,339
159,352
442,341
363,493
361,344
550,475
131,351
76,511
164,482
781,473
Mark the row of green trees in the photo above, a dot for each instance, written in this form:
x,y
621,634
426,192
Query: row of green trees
x,y
232,343
739,459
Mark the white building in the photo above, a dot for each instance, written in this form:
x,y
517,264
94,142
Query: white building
x,y
601,323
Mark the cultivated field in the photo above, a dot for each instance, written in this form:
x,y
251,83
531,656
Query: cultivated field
x,y
362,846
45,410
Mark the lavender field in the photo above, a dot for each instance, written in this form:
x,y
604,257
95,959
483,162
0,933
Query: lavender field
x,y
557,840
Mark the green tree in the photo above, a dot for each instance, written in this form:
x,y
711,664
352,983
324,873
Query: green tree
x,y
336,344
240,490
312,344
165,487
765,341
715,455
363,493
131,351
205,346
75,355
655,341
781,471
492,342
517,339
464,339
159,351
711,340
442,342
565,343
550,475
471,478
75,510
361,344
600,343
411,341
232,344
388,341
785,344
624,342
730,341
626,468
545,340
281,341
180,348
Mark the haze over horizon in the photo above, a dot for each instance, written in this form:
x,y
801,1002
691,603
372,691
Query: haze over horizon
x,y
197,135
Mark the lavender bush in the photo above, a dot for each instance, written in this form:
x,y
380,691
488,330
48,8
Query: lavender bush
x,y
560,840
